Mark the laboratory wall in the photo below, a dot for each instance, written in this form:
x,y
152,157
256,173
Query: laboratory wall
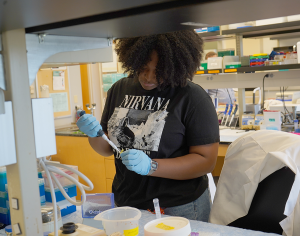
x,y
288,42
75,97
250,46
96,89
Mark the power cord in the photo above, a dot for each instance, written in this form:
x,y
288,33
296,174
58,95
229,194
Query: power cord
x,y
284,106
229,97
263,92
49,167
263,100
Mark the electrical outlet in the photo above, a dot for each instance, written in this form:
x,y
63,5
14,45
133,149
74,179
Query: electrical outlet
x,y
17,229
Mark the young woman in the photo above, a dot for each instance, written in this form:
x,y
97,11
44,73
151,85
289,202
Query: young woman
x,y
165,124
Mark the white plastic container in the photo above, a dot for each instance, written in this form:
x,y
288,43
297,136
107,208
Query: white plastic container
x,y
272,120
168,226
214,63
124,220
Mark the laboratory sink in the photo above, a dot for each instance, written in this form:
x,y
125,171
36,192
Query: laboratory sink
x,y
69,131
74,129
70,128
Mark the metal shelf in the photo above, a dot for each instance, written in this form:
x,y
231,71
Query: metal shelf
x,y
248,80
209,34
264,68
249,69
214,36
266,30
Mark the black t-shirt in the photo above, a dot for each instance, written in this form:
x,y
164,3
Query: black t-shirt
x,y
163,124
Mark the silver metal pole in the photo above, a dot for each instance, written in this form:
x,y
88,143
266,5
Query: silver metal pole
x,y
22,176
242,104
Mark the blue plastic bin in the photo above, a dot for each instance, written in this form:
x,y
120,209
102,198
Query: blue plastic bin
x,y
4,200
4,216
68,210
42,191
3,179
97,203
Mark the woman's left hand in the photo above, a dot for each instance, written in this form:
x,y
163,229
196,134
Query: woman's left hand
x,y
137,161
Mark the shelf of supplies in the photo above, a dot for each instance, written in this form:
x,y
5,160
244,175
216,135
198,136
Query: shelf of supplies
x,y
266,30
248,80
250,69
202,72
264,68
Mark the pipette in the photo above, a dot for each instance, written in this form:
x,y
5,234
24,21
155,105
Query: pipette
x,y
157,208
100,133
229,113
233,115
225,113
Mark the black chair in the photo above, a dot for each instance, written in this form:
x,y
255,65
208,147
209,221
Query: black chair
x,y
267,207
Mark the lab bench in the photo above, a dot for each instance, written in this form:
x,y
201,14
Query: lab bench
x,y
196,226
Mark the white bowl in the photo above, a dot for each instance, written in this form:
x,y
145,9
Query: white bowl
x,y
181,227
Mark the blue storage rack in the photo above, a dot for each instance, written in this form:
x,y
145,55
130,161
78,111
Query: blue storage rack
x,y
68,210
70,190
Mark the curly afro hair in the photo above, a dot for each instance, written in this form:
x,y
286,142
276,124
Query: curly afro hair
x,y
179,55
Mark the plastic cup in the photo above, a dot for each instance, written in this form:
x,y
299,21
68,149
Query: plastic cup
x,y
121,219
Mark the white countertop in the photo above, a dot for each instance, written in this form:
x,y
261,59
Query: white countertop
x,y
230,135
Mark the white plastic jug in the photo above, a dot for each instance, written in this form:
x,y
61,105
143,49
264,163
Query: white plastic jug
x,y
124,220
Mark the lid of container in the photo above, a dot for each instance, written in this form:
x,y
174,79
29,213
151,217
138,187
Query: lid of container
x,y
108,215
168,226
47,233
68,228
8,229
233,63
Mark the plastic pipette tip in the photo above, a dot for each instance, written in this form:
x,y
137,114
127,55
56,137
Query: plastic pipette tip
x,y
156,208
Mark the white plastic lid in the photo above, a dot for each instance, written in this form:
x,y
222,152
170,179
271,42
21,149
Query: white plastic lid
x,y
168,226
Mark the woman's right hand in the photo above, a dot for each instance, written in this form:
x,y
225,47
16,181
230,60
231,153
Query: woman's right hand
x,y
89,125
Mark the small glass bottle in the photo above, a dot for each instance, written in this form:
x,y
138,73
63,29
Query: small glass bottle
x,y
8,230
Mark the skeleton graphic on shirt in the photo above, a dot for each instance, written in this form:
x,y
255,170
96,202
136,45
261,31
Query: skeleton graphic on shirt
x,y
138,123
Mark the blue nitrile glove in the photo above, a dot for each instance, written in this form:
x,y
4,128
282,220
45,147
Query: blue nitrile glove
x,y
89,125
136,161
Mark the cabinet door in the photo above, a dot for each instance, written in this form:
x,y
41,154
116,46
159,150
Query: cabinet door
x,y
110,168
220,161
109,185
